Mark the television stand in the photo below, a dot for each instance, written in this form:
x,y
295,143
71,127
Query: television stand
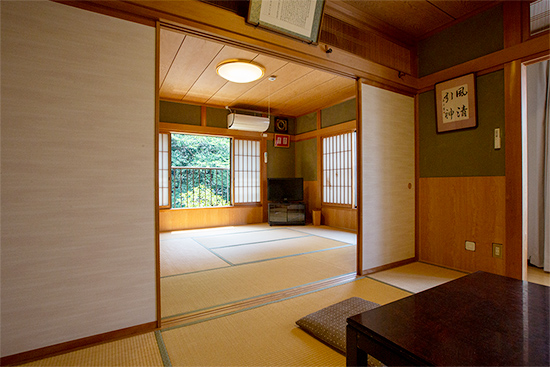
x,y
286,213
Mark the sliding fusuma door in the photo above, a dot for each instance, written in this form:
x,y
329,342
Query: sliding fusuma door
x,y
78,175
387,182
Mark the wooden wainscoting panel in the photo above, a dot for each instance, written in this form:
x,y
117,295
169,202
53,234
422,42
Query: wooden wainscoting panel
x,y
339,217
312,198
458,209
179,219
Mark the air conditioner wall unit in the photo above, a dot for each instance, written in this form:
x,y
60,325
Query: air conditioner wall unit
x,y
247,123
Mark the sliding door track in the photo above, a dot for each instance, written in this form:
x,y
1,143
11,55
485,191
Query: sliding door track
x,y
240,306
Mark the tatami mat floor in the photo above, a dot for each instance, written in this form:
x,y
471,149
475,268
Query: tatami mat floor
x,y
417,277
140,350
267,335
265,332
209,268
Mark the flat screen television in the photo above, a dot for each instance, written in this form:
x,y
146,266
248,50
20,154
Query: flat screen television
x,y
285,189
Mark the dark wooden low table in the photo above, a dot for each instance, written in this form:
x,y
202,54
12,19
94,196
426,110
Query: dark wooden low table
x,y
480,319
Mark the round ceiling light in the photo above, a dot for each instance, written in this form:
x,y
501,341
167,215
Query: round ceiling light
x,y
240,71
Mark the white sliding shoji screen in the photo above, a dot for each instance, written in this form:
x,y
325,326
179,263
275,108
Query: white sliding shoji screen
x,y
164,170
247,171
339,169
539,17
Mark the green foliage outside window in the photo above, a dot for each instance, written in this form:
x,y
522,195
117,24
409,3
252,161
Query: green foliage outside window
x,y
200,197
200,171
200,151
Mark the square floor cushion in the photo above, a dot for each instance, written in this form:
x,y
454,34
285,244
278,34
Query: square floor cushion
x,y
329,324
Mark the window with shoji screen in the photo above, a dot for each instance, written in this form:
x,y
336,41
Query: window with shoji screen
x,y
164,170
339,169
247,170
539,17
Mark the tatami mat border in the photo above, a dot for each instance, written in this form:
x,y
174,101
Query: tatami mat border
x,y
445,267
215,254
195,272
256,261
256,242
292,228
386,283
162,349
325,237
285,256
223,234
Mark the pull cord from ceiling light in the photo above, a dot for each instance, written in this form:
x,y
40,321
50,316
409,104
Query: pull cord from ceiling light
x,y
272,78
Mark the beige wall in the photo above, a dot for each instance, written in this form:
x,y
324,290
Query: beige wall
x,y
78,175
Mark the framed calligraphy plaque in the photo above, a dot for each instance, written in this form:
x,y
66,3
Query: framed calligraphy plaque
x,y
295,18
456,104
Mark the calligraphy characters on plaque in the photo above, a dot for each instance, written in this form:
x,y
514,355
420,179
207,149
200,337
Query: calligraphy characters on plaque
x,y
456,104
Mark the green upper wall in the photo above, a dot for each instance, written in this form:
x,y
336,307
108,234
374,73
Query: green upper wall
x,y
216,117
306,123
477,36
280,161
333,115
306,159
179,113
469,152
337,114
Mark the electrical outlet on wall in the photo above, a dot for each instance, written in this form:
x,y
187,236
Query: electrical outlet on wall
x,y
470,246
497,250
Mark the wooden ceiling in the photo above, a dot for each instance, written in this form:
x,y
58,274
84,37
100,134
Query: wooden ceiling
x,y
188,64
412,19
188,75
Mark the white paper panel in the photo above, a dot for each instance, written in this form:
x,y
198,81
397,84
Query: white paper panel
x,y
78,174
388,224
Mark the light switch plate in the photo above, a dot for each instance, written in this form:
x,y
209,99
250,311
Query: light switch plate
x,y
470,246
497,138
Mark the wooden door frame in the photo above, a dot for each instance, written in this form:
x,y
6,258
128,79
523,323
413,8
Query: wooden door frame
x,y
516,107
